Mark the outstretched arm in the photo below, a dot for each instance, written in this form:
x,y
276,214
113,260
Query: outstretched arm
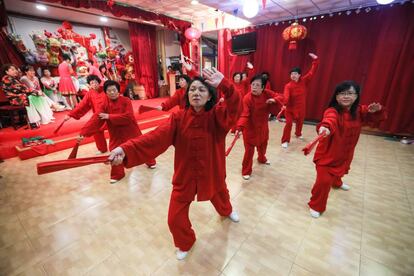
x,y
313,68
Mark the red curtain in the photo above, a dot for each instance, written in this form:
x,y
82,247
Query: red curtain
x,y
9,53
375,49
144,50
119,9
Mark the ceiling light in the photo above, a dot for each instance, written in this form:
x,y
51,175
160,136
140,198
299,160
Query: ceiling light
x,y
384,2
41,7
194,2
103,19
250,8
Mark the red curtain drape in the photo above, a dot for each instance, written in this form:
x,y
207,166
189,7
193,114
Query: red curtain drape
x,y
375,49
144,50
8,53
120,9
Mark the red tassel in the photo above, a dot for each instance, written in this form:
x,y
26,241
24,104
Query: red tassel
x,y
309,147
232,144
58,165
264,4
280,113
58,128
74,151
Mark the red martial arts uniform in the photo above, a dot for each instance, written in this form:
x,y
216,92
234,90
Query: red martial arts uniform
x,y
295,100
199,162
178,98
242,88
254,124
121,124
334,153
92,100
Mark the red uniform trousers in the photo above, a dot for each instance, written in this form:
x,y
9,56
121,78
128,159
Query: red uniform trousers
x,y
298,118
179,222
321,188
100,141
248,155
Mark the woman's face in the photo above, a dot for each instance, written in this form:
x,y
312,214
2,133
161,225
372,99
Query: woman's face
x,y
94,85
112,92
183,83
244,76
257,87
347,98
103,70
46,73
31,73
198,95
236,78
12,72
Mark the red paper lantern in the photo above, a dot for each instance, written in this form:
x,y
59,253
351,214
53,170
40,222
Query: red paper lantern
x,y
192,33
294,33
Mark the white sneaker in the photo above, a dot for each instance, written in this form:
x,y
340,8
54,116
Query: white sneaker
x,y
314,214
285,145
234,217
345,187
113,181
181,254
267,162
246,177
299,137
152,167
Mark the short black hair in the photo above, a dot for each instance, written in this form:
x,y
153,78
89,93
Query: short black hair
x,y
211,90
102,66
93,77
343,86
90,61
25,68
266,73
6,67
296,69
169,67
187,78
259,77
111,83
66,57
237,73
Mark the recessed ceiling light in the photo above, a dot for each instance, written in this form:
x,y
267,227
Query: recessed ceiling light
x,y
41,7
194,2
103,19
384,2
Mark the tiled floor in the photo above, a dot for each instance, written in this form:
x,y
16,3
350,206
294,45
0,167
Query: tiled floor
x,y
74,222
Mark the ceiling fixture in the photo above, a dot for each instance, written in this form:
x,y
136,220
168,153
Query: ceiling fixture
x,y
250,8
103,19
384,2
41,7
194,2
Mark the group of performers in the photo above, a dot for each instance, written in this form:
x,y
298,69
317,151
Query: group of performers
x,y
209,107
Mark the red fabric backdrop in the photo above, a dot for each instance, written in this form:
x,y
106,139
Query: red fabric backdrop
x,y
375,49
143,42
9,53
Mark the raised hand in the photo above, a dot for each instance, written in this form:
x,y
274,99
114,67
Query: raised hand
x,y
80,138
187,66
325,130
213,77
374,107
67,118
313,56
116,157
249,65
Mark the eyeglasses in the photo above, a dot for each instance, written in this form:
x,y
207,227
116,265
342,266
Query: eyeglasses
x,y
347,93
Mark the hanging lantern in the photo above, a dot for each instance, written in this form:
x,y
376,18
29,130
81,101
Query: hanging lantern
x,y
294,33
192,33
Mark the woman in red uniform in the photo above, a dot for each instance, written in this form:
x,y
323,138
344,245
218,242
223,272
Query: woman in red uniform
x,y
198,134
295,100
254,123
92,100
179,97
116,111
341,123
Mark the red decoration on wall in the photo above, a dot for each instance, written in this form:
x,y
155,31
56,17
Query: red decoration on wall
x,y
192,33
294,33
264,4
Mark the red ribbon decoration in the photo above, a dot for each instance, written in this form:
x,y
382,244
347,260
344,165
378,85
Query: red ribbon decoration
x,y
58,165
58,128
309,147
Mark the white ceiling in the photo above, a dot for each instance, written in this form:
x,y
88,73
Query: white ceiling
x,y
202,14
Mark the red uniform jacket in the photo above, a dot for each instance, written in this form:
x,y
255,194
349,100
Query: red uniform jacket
x,y
294,94
337,150
199,141
121,124
177,99
92,100
254,120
